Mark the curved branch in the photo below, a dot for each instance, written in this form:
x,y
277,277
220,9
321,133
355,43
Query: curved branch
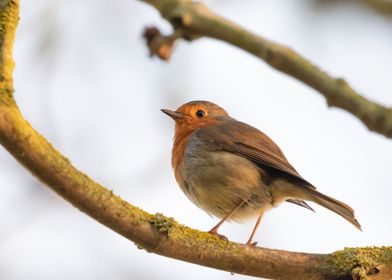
x,y
164,236
157,233
196,20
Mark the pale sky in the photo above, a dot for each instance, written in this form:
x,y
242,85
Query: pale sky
x,y
84,79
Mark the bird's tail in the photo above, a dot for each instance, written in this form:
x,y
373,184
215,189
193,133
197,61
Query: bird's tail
x,y
332,204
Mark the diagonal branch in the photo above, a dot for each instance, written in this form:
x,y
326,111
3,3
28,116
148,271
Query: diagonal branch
x,y
157,233
196,20
164,236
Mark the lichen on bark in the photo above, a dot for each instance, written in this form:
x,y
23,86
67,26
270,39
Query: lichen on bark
x,y
360,263
9,17
157,233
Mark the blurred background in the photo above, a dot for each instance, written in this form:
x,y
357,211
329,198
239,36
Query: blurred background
x,y
84,79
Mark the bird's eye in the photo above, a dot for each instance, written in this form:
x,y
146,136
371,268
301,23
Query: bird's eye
x,y
200,113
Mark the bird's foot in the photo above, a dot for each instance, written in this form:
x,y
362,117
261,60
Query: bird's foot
x,y
221,236
251,244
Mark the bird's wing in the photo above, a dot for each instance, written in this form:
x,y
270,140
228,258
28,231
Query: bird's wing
x,y
242,139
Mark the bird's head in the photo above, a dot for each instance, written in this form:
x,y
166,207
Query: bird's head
x,y
196,114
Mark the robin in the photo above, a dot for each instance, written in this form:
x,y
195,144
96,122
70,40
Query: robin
x,y
234,171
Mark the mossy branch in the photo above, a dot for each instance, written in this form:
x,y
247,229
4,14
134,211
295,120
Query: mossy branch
x,y
8,23
195,19
157,233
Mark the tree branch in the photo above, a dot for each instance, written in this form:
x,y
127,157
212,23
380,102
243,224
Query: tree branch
x,y
195,20
157,233
382,6
8,23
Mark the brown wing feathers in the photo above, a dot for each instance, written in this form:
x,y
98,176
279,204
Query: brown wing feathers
x,y
259,148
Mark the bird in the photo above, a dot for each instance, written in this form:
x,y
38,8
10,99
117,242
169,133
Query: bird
x,y
234,171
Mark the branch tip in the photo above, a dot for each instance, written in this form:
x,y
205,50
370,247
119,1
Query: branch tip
x,y
158,44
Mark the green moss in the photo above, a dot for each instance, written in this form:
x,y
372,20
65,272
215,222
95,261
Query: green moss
x,y
169,227
6,96
161,223
360,262
341,82
8,21
8,16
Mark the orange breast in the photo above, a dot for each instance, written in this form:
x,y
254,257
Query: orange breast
x,y
182,134
181,139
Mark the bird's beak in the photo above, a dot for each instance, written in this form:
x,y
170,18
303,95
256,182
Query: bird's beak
x,y
174,115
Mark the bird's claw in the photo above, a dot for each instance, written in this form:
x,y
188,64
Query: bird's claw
x,y
221,236
251,244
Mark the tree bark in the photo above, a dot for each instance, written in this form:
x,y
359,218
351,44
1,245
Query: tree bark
x,y
157,233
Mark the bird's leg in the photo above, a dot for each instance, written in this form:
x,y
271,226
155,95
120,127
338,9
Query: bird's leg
x,y
250,243
214,230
